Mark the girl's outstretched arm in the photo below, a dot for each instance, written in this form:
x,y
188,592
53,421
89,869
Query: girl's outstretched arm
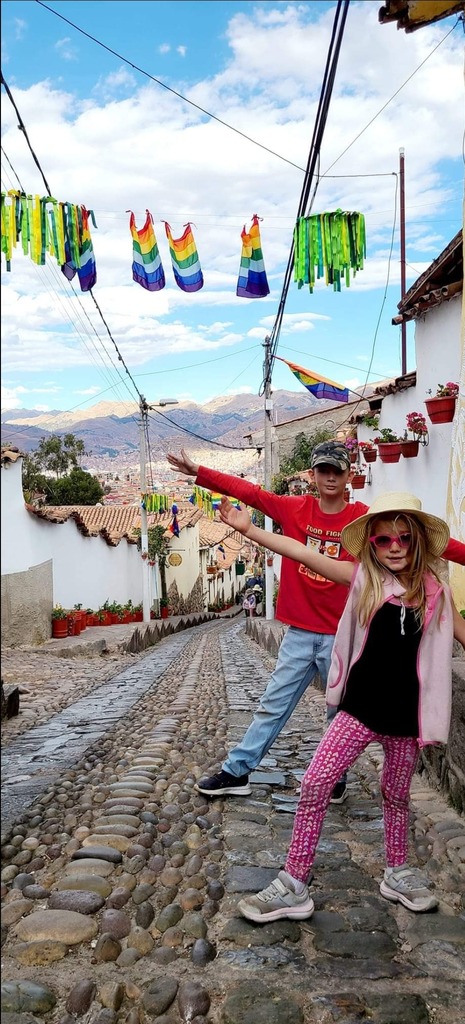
x,y
330,568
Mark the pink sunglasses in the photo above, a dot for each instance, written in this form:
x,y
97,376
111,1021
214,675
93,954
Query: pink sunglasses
x,y
383,541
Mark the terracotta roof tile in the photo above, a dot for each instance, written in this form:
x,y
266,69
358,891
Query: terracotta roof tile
x,y
10,454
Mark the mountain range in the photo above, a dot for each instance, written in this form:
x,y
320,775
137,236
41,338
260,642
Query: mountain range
x,y
110,430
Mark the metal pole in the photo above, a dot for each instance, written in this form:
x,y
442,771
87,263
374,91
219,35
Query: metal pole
x,y
144,537
403,289
269,573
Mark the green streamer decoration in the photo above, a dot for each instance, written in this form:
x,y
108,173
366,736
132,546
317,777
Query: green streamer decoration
x,y
329,245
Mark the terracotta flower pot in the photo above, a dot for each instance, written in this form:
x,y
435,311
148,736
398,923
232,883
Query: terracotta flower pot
x,y
59,628
370,454
164,612
410,449
358,481
390,451
441,410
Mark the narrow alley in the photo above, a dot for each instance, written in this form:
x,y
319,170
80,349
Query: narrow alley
x,y
120,882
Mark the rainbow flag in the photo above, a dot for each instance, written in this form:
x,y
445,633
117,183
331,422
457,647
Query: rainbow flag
x,y
185,260
147,268
216,500
252,282
320,387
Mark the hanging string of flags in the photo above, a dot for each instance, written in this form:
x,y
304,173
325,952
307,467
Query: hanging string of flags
x,y
46,226
319,387
331,244
327,245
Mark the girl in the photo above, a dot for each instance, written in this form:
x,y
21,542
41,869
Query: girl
x,y
390,679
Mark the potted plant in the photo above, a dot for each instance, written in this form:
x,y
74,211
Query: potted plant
x,y
82,616
441,406
138,613
368,450
91,618
103,614
416,424
358,480
371,419
59,622
389,445
164,610
351,444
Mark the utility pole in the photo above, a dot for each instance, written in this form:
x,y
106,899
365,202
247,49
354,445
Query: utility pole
x,y
144,535
403,326
269,573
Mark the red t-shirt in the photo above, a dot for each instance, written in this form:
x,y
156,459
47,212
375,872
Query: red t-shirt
x,y
305,599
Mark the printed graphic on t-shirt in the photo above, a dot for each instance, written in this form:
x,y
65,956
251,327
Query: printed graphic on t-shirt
x,y
327,543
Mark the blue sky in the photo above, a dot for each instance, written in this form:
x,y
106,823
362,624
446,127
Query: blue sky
x,y
110,138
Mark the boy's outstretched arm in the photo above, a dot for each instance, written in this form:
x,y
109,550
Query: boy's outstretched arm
x,y
330,568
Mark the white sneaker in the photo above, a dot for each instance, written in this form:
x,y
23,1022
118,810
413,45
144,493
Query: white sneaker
x,y
407,886
278,900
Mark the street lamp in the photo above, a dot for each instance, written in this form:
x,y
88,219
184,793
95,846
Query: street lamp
x,y
144,536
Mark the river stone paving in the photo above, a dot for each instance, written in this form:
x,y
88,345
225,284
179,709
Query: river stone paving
x,y
120,882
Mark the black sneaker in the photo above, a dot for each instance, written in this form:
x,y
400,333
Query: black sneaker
x,y
340,793
224,784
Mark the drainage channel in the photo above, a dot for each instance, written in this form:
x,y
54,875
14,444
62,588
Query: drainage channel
x,y
37,758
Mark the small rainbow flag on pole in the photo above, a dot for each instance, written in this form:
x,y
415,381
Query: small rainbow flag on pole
x,y
147,268
320,387
252,282
185,260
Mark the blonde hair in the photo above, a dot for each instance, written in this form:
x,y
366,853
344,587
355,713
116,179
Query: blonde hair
x,y
421,562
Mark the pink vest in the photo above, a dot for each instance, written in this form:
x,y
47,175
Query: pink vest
x,y
434,663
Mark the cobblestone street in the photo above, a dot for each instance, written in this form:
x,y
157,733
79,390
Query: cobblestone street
x,y
120,883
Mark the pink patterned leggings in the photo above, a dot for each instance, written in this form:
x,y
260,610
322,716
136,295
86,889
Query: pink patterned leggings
x,y
343,742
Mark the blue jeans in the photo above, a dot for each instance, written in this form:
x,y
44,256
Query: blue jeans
x,y
301,655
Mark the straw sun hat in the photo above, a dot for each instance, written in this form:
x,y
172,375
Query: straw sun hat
x,y
395,503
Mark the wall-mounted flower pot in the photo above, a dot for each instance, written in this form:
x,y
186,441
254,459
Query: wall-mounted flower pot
x,y
358,481
353,457
370,454
390,452
410,449
441,410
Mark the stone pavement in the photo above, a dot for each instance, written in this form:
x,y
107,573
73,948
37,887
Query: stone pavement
x,y
120,882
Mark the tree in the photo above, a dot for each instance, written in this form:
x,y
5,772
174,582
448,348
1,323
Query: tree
x,y
78,488
300,459
158,547
58,454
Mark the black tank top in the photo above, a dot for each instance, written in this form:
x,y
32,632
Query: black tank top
x,y
382,689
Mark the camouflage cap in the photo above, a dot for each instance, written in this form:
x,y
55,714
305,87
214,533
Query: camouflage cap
x,y
331,453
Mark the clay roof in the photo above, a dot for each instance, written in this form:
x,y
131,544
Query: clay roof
x,y
114,522
212,532
414,14
10,454
439,282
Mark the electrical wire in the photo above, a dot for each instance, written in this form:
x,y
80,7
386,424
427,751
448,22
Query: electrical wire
x,y
208,440
22,127
313,157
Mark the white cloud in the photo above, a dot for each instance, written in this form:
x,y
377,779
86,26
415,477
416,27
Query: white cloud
x,y
20,27
89,391
66,49
182,50
105,151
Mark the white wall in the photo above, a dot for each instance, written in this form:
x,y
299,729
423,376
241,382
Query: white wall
x,y
86,570
437,360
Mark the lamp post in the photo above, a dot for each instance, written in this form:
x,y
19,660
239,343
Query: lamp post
x,y
144,537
